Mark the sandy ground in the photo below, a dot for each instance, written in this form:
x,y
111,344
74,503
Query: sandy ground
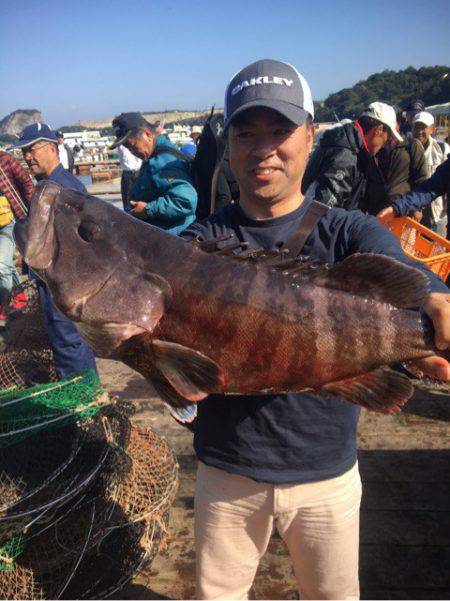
x,y
405,529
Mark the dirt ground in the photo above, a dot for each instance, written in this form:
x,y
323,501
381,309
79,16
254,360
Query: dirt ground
x,y
405,518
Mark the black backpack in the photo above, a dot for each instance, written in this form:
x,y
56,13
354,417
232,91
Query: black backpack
x,y
205,166
207,162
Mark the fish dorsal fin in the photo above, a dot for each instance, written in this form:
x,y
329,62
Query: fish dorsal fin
x,y
189,372
372,276
382,390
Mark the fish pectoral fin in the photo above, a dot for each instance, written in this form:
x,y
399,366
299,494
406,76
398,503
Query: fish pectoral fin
x,y
192,374
182,410
382,390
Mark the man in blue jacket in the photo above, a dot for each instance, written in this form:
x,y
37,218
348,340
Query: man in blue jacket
x,y
163,193
285,461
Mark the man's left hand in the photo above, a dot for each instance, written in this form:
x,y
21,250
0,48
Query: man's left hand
x,y
139,209
437,307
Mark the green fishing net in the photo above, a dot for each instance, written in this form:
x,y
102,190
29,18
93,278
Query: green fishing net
x,y
48,405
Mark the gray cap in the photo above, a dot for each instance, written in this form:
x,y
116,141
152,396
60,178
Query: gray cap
x,y
270,84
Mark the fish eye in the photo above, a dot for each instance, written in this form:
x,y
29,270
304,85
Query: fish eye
x,y
89,231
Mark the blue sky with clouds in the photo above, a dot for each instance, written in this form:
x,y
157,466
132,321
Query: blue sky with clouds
x,y
94,59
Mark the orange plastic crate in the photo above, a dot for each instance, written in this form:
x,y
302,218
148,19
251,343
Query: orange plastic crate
x,y
422,244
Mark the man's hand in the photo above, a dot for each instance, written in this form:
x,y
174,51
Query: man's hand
x,y
437,307
139,210
386,215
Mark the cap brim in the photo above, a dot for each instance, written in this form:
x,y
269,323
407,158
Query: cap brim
x,y
295,114
396,135
25,143
119,141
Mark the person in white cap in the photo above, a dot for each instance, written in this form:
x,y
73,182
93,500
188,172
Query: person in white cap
x,y
340,165
285,461
196,132
435,215
396,168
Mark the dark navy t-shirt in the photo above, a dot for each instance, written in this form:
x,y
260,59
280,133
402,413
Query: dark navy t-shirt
x,y
295,437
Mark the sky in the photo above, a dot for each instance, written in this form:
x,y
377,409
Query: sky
x,y
93,59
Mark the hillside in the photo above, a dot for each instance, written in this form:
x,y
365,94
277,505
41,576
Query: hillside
x,y
169,117
12,124
431,84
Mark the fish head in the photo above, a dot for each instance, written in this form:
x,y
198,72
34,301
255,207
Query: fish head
x,y
87,252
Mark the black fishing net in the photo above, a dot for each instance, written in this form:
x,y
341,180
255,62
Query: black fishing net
x,y
84,495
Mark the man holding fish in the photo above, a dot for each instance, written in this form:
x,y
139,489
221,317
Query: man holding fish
x,y
285,461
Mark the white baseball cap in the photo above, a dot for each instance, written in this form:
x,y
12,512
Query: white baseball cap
x,y
385,114
424,117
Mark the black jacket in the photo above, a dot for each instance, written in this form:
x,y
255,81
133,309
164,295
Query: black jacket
x,y
339,167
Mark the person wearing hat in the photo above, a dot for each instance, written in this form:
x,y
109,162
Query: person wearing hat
x,y
414,107
395,169
196,132
340,166
71,354
163,194
435,214
66,155
284,460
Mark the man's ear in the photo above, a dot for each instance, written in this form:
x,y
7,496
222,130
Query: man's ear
x,y
310,137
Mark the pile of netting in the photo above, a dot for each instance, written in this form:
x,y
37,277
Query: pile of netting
x,y
84,494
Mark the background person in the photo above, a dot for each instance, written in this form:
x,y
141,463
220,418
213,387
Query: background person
x,y
66,156
414,107
398,167
130,165
163,193
285,461
419,198
70,353
340,166
435,153
16,190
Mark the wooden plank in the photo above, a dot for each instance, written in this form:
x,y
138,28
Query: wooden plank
x,y
405,527
404,466
403,568
414,496
411,593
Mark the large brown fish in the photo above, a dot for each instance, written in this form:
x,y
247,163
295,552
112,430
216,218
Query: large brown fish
x,y
196,323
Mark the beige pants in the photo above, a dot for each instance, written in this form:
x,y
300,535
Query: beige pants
x,y
235,518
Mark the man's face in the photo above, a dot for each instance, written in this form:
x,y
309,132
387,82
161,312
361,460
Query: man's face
x,y
376,138
60,139
141,145
422,132
268,155
41,157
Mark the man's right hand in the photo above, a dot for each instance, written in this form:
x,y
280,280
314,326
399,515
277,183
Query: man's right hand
x,y
386,215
